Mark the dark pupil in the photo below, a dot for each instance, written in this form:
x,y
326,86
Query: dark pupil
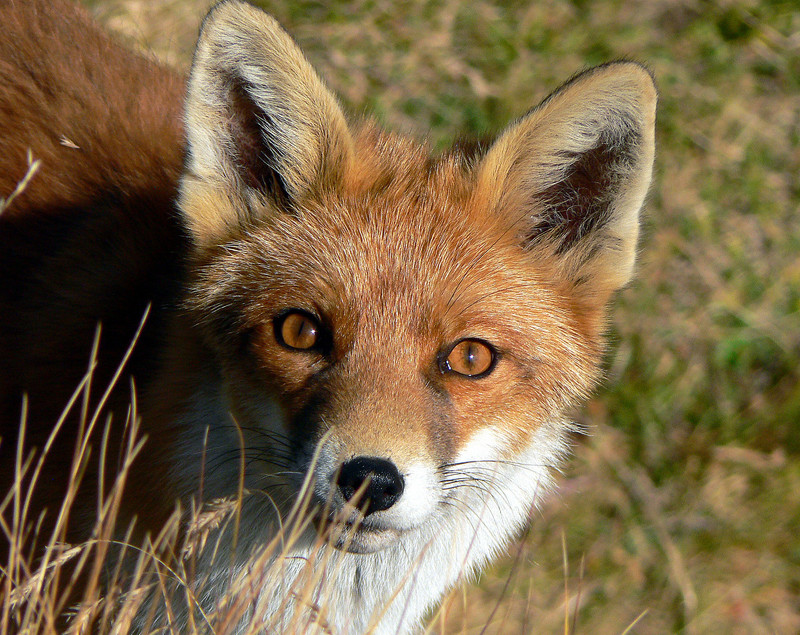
x,y
469,355
305,332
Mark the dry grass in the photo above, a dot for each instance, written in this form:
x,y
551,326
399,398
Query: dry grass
x,y
112,585
681,509
33,167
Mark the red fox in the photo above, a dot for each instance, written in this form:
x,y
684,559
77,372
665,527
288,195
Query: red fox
x,y
331,304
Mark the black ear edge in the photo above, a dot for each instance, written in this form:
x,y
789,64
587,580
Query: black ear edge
x,y
640,69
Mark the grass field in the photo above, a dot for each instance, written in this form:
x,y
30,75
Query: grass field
x,y
682,507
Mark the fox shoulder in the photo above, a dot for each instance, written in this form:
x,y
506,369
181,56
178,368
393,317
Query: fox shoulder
x,y
102,120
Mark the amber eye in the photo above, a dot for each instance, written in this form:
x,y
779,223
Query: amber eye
x,y
470,358
297,330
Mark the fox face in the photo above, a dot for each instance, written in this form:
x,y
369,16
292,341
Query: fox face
x,y
412,342
399,331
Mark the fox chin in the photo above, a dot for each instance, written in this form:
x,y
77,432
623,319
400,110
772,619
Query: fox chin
x,y
373,348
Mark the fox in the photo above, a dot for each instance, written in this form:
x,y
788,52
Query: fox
x,y
301,303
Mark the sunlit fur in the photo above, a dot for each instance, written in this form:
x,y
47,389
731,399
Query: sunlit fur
x,y
398,253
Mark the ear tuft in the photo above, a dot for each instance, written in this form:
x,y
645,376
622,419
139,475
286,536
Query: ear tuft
x,y
255,161
573,173
263,131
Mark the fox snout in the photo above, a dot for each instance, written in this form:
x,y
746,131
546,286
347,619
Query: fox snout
x,y
372,483
367,495
365,504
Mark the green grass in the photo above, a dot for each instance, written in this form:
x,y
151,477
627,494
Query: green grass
x,y
685,500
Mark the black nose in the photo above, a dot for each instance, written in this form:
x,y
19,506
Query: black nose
x,y
384,483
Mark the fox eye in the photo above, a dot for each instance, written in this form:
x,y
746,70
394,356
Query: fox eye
x,y
297,330
471,358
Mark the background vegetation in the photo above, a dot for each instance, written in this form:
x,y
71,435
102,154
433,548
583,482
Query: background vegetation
x,y
682,507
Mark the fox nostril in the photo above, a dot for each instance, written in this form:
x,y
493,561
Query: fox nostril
x,y
384,483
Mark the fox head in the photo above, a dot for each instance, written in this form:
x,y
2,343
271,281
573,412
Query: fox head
x,y
406,330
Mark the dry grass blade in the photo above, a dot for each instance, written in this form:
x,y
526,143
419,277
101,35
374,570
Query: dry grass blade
x,y
33,167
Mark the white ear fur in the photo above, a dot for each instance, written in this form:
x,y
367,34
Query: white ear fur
x,y
262,129
574,172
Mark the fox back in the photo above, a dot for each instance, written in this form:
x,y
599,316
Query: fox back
x,y
338,315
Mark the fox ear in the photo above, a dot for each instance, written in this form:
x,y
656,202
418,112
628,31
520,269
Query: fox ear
x,y
263,132
572,175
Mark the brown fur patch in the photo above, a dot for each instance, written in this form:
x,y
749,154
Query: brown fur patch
x,y
94,237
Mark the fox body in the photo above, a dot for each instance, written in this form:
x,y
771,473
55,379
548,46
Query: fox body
x,y
330,304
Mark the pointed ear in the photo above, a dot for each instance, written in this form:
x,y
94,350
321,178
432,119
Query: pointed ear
x,y
573,173
263,131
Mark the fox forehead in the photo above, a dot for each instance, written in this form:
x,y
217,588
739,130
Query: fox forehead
x,y
402,247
